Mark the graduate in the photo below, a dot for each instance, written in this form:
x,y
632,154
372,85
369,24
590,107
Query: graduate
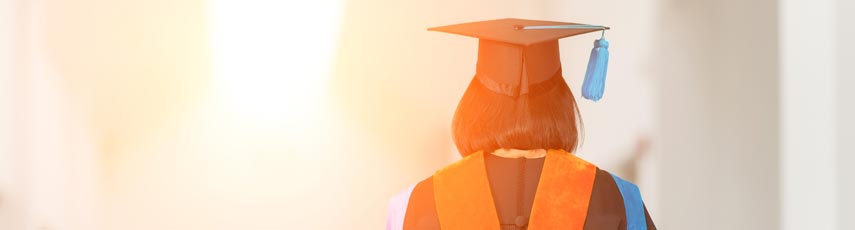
x,y
517,127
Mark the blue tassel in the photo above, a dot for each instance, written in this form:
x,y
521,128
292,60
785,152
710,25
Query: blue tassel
x,y
595,76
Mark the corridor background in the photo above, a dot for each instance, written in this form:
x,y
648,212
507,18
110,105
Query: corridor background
x,y
252,114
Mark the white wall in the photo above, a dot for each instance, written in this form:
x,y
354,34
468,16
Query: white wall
x,y
846,111
817,147
5,106
48,166
718,73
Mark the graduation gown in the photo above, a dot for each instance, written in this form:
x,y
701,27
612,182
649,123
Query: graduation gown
x,y
484,191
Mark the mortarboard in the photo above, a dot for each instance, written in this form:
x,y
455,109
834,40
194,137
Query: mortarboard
x,y
516,54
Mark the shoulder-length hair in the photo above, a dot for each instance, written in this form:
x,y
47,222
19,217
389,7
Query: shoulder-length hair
x,y
545,118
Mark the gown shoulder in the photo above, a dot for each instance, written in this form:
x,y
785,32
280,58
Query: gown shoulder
x,y
610,199
421,211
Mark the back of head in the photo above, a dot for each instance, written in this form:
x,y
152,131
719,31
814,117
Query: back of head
x,y
517,100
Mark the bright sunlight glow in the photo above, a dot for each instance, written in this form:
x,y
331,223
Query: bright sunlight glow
x,y
272,59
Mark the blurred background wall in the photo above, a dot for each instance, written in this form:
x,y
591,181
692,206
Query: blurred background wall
x,y
844,109
256,114
718,71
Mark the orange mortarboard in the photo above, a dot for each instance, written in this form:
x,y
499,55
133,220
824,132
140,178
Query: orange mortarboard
x,y
516,54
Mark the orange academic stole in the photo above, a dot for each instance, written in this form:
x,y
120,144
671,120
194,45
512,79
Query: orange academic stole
x,y
464,200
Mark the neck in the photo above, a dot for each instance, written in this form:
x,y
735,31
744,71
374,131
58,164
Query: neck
x,y
520,153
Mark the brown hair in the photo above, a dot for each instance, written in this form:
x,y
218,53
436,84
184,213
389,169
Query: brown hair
x,y
545,118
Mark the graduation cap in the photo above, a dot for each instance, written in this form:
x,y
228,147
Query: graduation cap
x,y
515,54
